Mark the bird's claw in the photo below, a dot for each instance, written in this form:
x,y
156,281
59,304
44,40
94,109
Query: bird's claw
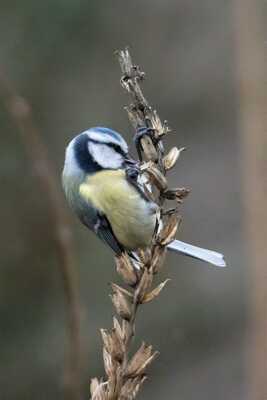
x,y
132,173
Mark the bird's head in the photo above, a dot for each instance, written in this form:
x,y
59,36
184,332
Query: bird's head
x,y
96,149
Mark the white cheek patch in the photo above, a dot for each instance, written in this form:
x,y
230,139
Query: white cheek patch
x,y
105,156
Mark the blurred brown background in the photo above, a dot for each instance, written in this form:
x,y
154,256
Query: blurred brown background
x,y
59,55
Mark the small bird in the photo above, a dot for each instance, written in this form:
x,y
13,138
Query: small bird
x,y
101,184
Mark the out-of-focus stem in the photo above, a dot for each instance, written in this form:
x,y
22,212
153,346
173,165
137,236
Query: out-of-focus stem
x,y
251,77
21,114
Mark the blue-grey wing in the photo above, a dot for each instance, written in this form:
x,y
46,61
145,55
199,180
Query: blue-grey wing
x,y
100,225
105,233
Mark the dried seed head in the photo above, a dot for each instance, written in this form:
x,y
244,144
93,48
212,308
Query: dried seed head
x,y
156,177
149,149
126,269
127,330
109,364
177,194
117,328
117,288
131,388
159,128
134,116
125,378
148,192
121,305
106,339
125,61
167,234
113,344
118,347
144,285
170,159
158,258
97,389
155,292
94,385
146,363
144,255
140,361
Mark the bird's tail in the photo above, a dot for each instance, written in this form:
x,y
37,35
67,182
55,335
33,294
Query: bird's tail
x,y
209,256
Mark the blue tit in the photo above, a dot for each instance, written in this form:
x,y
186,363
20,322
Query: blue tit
x,y
101,184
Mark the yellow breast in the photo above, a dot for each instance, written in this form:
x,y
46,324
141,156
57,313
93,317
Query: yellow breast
x,y
131,217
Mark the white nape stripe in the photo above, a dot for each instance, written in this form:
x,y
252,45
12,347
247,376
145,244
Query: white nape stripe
x,y
105,156
102,138
209,256
71,166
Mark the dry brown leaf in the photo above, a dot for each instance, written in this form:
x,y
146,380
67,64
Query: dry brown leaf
x,y
140,361
157,178
143,353
118,347
99,392
117,288
131,388
126,269
108,363
144,255
177,194
106,339
158,258
155,292
113,344
94,384
149,149
126,329
167,234
117,328
146,363
170,159
121,305
144,285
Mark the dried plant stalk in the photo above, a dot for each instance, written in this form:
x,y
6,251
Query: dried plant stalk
x,y
126,375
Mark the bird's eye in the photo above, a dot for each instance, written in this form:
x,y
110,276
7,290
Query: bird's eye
x,y
117,148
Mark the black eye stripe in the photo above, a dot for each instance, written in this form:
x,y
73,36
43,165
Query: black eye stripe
x,y
115,146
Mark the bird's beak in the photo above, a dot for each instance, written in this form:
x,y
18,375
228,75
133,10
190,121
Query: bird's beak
x,y
130,162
